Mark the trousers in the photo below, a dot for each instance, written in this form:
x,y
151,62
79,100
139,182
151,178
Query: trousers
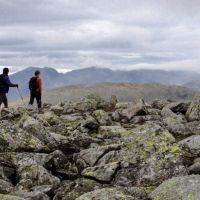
x,y
3,99
37,96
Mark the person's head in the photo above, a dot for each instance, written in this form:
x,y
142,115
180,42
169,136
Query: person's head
x,y
5,71
37,73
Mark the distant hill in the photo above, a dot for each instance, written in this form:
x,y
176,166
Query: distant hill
x,y
88,76
125,92
193,85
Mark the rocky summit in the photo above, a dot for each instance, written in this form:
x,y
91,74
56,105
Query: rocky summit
x,y
96,149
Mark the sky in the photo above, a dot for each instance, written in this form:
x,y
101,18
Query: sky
x,y
118,34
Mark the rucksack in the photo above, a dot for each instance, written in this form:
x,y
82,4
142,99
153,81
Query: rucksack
x,y
33,84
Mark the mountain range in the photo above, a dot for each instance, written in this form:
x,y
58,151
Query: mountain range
x,y
89,76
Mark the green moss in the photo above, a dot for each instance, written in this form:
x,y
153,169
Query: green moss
x,y
89,172
74,194
72,124
99,113
9,197
88,183
159,146
190,197
157,198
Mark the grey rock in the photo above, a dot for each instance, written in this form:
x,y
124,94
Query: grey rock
x,y
179,107
112,131
103,173
36,195
193,112
10,197
93,156
57,109
90,123
191,146
159,104
195,168
106,194
31,174
5,187
134,110
183,130
102,117
184,188
70,190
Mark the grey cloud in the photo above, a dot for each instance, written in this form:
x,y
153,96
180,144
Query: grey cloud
x,y
76,34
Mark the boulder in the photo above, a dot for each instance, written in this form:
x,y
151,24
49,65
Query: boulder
x,y
93,155
195,168
112,131
116,116
61,165
90,123
134,110
103,174
31,174
153,111
193,112
57,109
36,195
20,140
159,104
87,104
151,155
13,158
146,118
9,113
10,197
102,117
49,117
71,118
107,194
183,130
122,105
191,146
179,107
61,142
70,190
171,117
5,187
30,124
184,188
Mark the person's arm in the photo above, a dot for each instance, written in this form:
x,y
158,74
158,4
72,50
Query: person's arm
x,y
8,82
39,85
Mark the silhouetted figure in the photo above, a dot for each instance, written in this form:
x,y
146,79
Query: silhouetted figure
x,y
35,86
5,84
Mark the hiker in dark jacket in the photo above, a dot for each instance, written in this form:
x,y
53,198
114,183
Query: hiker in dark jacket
x,y
35,86
5,84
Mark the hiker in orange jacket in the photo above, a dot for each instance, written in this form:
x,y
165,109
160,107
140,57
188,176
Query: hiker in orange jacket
x,y
35,86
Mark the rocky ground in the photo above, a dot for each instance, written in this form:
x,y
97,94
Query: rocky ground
x,y
94,149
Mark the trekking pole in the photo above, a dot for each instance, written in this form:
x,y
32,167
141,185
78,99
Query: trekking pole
x,y
21,97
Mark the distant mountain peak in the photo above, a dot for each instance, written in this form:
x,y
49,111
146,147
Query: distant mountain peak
x,y
92,75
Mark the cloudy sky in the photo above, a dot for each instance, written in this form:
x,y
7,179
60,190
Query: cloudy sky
x,y
119,34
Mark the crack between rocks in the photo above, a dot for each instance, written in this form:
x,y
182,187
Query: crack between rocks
x,y
106,152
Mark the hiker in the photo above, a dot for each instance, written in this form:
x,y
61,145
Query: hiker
x,y
35,86
5,84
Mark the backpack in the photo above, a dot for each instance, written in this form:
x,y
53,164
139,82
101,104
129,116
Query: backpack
x,y
33,84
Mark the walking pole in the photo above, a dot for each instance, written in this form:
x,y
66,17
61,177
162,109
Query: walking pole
x,y
21,97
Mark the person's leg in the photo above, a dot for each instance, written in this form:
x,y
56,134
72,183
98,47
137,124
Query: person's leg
x,y
1,98
31,99
5,101
39,102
